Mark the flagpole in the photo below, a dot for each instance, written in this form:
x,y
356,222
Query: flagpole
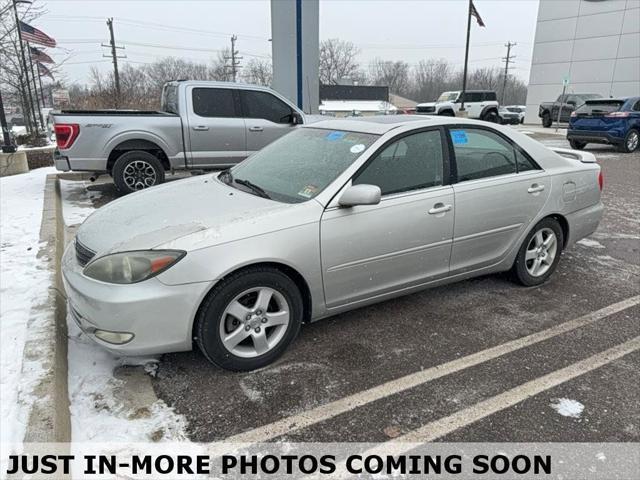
x,y
466,57
35,86
24,66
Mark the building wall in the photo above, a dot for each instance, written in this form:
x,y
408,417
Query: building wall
x,y
595,43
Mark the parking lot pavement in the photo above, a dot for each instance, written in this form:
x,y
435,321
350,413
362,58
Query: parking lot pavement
x,y
498,361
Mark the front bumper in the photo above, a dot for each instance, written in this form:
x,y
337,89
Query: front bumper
x,y
160,317
510,121
594,136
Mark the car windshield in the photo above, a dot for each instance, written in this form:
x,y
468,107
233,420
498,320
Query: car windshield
x,y
448,97
300,165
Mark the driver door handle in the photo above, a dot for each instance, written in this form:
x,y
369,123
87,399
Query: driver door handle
x,y
535,188
256,129
439,208
201,127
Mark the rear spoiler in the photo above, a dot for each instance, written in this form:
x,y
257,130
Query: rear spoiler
x,y
584,157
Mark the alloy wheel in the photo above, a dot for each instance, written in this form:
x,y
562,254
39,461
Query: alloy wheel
x,y
541,252
139,174
254,322
632,141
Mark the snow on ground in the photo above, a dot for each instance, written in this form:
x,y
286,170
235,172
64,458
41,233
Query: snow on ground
x,y
76,201
567,407
24,284
587,242
97,415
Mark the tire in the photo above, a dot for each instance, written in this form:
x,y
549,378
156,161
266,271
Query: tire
x,y
631,142
447,113
491,116
546,119
524,267
240,292
576,145
137,170
522,121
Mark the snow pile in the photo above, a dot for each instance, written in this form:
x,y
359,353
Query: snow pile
x,y
24,284
76,201
567,407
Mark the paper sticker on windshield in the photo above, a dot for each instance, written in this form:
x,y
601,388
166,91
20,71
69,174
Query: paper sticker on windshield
x,y
459,137
357,148
332,136
308,191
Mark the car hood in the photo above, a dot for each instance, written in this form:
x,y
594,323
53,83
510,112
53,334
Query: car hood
x,y
185,214
427,104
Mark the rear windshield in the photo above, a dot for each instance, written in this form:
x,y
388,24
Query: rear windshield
x,y
596,107
169,102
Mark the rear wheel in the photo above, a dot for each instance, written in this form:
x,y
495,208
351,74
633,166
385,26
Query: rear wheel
x,y
137,170
539,254
249,319
546,119
576,145
631,142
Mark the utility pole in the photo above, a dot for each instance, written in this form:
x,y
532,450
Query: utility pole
x,y
235,59
114,58
508,59
31,110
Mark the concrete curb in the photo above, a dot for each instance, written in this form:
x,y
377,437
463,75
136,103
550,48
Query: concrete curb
x,y
49,418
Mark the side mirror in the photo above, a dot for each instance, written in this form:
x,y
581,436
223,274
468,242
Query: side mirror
x,y
296,118
360,195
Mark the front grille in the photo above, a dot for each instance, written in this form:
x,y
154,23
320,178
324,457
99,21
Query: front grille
x,y
425,109
83,254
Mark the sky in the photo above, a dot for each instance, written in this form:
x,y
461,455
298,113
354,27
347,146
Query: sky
x,y
409,30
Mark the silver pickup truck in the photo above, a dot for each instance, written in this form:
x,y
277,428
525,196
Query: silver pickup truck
x,y
201,125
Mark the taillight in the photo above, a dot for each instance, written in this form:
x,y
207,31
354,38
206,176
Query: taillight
x,y
574,114
600,180
66,134
618,114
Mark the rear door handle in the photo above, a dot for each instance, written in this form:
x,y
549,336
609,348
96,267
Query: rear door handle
x,y
535,188
256,129
201,127
439,208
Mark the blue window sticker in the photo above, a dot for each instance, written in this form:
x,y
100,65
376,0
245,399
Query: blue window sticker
x,y
332,136
459,137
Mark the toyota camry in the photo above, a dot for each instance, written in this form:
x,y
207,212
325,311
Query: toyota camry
x,y
331,217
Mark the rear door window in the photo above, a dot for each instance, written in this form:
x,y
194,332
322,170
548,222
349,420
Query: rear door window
x,y
481,153
214,102
490,96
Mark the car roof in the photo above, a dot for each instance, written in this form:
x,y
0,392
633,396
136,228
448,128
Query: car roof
x,y
379,125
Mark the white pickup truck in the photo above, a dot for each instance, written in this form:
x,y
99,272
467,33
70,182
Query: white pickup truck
x,y
201,125
479,104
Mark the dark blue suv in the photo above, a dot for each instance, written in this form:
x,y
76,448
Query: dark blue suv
x,y
615,121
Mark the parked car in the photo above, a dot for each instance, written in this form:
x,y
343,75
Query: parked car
x,y
521,110
615,121
508,117
201,125
331,217
480,104
565,105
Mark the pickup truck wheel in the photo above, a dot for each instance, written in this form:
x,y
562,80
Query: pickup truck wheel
x,y
546,120
137,170
631,142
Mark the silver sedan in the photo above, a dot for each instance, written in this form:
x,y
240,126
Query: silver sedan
x,y
331,217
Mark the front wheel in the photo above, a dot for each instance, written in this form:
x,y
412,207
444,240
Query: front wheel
x,y
249,319
137,170
631,142
576,145
492,117
546,120
539,254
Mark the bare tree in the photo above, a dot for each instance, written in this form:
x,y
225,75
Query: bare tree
x,y
259,72
395,75
338,59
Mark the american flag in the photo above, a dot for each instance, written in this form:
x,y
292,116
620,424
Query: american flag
x,y
474,13
39,56
44,71
31,34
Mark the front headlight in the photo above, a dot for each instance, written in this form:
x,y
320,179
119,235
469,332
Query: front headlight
x,y
132,267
